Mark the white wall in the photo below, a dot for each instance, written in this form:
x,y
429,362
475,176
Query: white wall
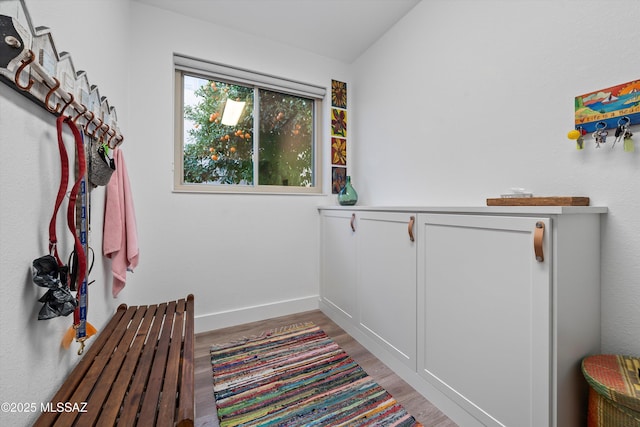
x,y
33,362
245,257
462,100
458,102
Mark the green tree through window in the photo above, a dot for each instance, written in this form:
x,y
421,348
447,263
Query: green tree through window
x,y
286,140
215,153
272,143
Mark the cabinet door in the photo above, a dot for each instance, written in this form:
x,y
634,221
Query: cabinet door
x,y
387,282
338,266
484,315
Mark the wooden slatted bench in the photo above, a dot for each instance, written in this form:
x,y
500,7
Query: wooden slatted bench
x,y
139,371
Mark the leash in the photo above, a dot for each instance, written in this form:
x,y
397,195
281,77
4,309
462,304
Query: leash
x,y
80,326
80,313
64,182
49,271
58,300
73,196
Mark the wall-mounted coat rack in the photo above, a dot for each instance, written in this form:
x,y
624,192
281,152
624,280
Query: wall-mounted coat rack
x,y
30,63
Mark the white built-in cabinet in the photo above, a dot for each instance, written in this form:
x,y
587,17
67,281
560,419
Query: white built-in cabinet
x,y
339,260
489,310
369,269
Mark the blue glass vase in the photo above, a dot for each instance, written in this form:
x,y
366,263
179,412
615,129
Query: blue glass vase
x,y
348,195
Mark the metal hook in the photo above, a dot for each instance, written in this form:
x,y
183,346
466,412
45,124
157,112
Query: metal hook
x,y
90,120
106,131
21,68
82,345
119,140
93,135
51,91
111,137
80,113
67,103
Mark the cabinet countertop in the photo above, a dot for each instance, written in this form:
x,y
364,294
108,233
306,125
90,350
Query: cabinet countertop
x,y
498,210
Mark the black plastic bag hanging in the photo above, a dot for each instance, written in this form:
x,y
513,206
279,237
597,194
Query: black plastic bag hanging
x,y
101,166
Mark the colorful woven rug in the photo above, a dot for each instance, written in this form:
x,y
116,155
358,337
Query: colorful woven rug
x,y
297,376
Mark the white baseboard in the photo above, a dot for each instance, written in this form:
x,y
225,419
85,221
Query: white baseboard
x,y
223,319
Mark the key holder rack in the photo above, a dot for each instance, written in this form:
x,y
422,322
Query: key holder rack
x,y
30,64
600,135
606,115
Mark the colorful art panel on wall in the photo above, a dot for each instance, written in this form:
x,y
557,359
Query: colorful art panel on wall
x,y
338,135
338,94
609,106
338,122
338,178
339,151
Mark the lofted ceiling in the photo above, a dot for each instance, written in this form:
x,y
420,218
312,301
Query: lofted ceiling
x,y
338,29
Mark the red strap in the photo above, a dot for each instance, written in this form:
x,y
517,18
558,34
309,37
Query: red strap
x,y
71,209
64,182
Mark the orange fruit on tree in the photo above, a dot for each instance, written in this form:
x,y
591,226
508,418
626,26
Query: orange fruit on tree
x,y
232,149
214,157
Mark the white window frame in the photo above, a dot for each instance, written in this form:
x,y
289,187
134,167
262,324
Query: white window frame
x,y
214,71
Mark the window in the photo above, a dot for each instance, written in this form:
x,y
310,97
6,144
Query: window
x,y
242,131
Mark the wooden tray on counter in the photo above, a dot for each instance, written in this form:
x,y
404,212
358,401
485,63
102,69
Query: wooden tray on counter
x,y
539,201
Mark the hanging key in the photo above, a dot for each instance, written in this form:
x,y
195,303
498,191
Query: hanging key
x,y
600,134
580,139
621,130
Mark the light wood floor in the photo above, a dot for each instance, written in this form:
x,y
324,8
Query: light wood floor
x,y
415,404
